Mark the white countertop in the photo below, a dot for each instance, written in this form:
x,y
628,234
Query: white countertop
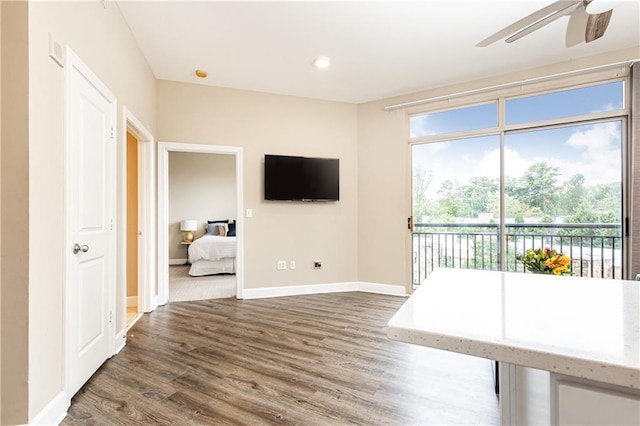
x,y
582,327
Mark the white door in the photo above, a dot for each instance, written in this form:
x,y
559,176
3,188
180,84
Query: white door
x,y
91,112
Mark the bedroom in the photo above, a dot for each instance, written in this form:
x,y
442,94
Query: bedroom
x,y
202,189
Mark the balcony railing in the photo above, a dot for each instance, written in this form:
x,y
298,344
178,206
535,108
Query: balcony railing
x,y
595,249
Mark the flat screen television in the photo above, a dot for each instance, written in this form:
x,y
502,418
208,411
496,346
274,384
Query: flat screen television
x,y
301,178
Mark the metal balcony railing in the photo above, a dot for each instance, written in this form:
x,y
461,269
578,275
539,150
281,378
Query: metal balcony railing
x,y
595,249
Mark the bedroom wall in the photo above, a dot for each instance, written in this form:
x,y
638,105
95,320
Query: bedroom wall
x,y
201,187
384,252
102,39
264,123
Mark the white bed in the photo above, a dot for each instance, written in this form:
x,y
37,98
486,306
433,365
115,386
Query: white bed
x,y
212,254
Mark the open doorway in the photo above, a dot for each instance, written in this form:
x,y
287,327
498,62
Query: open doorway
x,y
138,292
202,226
133,226
169,226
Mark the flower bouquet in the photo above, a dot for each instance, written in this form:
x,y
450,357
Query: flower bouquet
x,y
545,261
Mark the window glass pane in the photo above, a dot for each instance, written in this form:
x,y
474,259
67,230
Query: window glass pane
x,y
456,205
563,191
567,103
454,120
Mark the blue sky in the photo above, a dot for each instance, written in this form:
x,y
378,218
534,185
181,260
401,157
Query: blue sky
x,y
593,150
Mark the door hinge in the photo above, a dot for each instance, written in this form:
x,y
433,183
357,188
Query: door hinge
x,y
110,316
111,133
410,223
111,224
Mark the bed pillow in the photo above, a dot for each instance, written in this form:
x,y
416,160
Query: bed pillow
x,y
232,230
217,227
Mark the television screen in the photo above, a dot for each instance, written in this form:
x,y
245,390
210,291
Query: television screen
x,y
301,178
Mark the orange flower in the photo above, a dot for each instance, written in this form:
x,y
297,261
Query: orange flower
x,y
545,261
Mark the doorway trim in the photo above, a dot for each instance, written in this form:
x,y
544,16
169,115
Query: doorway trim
x,y
164,148
147,300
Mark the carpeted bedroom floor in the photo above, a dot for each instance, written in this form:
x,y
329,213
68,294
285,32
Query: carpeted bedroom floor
x,y
183,287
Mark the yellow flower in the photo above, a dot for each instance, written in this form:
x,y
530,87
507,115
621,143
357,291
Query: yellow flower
x,y
545,261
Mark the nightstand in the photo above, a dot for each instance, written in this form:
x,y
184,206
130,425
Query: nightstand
x,y
186,244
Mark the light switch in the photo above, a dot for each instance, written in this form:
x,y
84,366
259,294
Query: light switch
x,y
249,213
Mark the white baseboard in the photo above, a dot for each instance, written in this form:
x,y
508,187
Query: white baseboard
x,y
134,321
259,293
54,412
177,261
121,340
391,290
154,303
132,301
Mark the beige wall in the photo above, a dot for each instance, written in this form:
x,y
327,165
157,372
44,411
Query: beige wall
x,y
102,39
264,123
201,187
383,196
385,169
14,190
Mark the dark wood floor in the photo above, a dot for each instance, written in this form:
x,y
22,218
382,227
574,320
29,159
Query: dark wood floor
x,y
304,360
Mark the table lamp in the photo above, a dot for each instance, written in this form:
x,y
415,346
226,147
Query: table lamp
x,y
188,226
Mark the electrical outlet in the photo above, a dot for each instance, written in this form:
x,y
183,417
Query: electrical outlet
x,y
317,264
292,264
281,265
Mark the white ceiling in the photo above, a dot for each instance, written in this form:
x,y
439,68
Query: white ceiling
x,y
378,49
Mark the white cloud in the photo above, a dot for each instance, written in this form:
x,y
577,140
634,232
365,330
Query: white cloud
x,y
514,165
600,160
593,151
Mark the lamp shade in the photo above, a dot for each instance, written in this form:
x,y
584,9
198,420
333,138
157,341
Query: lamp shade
x,y
595,7
189,225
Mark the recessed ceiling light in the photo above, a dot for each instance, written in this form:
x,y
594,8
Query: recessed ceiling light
x,y
201,74
322,62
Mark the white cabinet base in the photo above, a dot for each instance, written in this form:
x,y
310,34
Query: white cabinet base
x,y
584,403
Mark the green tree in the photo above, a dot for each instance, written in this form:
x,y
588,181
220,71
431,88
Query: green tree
x,y
477,195
538,187
421,181
604,200
450,203
514,208
573,193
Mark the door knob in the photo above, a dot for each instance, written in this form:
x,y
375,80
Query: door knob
x,y
77,248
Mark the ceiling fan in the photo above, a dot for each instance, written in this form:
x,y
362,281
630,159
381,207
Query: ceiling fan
x,y
588,20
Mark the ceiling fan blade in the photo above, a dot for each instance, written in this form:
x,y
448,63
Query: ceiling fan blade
x,y
575,27
528,20
597,25
545,21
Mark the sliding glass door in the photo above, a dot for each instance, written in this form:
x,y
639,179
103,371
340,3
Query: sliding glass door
x,y
456,205
546,173
563,190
